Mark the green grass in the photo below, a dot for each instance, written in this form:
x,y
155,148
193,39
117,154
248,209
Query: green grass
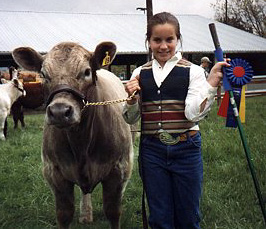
x,y
229,199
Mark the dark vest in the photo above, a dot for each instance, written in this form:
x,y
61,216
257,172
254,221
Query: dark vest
x,y
163,107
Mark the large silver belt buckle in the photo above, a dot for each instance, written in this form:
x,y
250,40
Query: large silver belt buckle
x,y
167,138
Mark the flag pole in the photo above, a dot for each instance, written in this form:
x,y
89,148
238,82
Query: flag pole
x,y
227,87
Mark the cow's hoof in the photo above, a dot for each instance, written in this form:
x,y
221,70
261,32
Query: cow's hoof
x,y
86,219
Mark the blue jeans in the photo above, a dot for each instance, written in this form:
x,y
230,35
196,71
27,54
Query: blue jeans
x,y
172,177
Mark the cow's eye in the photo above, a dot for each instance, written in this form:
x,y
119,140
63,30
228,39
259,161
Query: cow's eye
x,y
42,74
45,76
87,72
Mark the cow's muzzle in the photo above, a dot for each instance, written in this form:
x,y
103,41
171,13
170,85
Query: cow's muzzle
x,y
63,113
22,90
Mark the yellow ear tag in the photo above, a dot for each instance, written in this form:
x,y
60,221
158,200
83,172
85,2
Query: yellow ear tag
x,y
106,59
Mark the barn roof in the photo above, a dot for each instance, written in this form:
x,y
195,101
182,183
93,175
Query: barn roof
x,y
42,30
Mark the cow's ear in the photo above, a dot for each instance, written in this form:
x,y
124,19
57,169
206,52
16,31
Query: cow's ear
x,y
103,56
28,58
3,80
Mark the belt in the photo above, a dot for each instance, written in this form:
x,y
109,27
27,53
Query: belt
x,y
172,139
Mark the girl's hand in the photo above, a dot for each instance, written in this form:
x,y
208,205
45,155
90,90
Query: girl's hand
x,y
216,73
131,86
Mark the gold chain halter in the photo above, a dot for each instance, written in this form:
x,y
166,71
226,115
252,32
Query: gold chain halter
x,y
110,101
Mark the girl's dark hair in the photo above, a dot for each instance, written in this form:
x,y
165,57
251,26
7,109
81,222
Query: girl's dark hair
x,y
162,18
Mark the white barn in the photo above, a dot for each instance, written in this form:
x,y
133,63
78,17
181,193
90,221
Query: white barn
x,y
41,26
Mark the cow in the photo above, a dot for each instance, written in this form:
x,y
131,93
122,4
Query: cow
x,y
9,93
82,145
17,107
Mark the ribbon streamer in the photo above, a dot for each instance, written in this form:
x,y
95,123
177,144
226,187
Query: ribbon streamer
x,y
238,74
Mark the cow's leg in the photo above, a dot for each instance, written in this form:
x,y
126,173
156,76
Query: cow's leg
x,y
15,114
3,126
86,214
64,202
113,187
64,197
21,118
15,119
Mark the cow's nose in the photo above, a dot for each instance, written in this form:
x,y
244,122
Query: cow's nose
x,y
59,112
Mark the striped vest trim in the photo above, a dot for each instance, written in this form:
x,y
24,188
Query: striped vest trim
x,y
163,108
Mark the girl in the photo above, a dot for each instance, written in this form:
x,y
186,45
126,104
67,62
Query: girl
x,y
174,96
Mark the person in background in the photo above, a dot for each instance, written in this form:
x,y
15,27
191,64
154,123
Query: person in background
x,y
205,64
173,96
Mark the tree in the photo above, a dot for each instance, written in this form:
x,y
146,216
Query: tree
x,y
248,15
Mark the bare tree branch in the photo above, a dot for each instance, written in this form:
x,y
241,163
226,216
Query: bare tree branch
x,y
248,15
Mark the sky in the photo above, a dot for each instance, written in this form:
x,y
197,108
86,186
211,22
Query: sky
x,y
200,7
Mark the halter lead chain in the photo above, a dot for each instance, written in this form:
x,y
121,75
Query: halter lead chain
x,y
110,101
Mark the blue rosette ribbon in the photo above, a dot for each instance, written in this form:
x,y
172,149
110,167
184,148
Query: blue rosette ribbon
x,y
239,73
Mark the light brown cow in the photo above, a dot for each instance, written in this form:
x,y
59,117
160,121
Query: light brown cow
x,y
82,146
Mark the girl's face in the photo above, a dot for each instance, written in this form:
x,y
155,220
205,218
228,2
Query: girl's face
x,y
163,42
